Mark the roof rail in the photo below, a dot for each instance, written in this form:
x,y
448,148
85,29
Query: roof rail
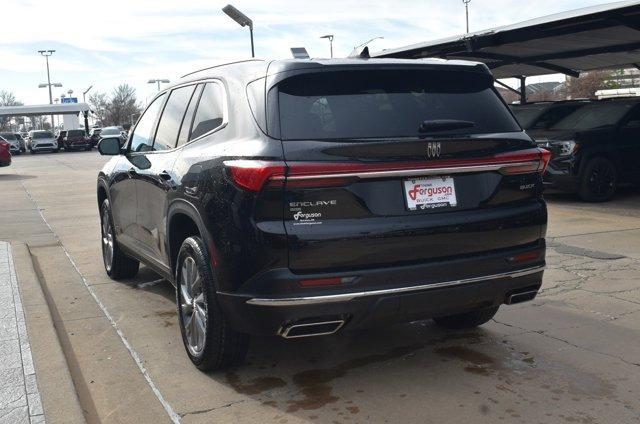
x,y
222,64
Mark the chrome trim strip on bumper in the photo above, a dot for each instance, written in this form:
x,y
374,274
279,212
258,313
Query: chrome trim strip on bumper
x,y
412,172
345,297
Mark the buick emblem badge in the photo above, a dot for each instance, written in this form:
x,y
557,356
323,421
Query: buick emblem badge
x,y
434,149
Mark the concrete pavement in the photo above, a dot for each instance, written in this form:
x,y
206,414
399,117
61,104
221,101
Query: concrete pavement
x,y
571,355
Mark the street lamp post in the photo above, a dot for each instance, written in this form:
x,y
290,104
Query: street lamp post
x,y
330,38
367,42
242,19
46,54
158,81
84,94
466,8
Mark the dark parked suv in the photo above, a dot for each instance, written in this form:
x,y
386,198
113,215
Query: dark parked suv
x,y
594,149
301,197
543,115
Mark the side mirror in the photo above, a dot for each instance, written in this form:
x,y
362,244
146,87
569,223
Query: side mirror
x,y
109,146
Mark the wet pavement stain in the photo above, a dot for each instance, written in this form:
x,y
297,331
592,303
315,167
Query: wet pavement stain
x,y
255,385
315,386
465,354
353,409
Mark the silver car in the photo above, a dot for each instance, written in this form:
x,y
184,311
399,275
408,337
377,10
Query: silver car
x,y
42,141
14,140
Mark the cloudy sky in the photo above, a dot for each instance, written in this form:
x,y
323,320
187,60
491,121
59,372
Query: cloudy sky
x,y
108,42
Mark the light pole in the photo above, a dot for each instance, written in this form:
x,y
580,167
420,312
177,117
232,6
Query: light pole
x,y
84,94
330,38
242,19
367,42
158,81
46,54
466,8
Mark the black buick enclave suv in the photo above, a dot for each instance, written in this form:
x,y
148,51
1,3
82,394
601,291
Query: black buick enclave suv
x,y
301,197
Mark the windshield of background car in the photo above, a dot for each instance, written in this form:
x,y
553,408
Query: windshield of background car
x,y
42,134
9,136
527,115
110,131
594,115
75,133
388,103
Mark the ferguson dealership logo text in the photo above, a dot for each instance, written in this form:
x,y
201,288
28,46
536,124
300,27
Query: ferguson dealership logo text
x,y
429,191
303,216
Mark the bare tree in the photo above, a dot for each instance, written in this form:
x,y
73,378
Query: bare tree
x,y
99,103
7,99
122,104
588,83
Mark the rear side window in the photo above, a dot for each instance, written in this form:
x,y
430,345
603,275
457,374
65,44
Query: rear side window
x,y
388,103
142,139
169,126
183,137
210,112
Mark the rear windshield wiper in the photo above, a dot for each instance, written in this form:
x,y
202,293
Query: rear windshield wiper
x,y
444,125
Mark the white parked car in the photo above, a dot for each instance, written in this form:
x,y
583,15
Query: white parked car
x,y
42,141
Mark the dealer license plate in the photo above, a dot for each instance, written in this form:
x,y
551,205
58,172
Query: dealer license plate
x,y
430,193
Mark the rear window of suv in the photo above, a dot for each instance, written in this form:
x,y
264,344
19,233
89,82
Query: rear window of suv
x,y
388,103
75,133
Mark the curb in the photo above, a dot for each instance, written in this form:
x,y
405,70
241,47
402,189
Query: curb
x,y
59,398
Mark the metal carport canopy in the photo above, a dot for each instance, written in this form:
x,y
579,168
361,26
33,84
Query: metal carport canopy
x,y
597,37
37,110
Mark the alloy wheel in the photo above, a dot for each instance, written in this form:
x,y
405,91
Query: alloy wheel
x,y
193,306
602,180
107,240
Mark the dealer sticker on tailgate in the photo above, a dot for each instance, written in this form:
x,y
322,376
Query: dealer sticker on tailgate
x,y
430,193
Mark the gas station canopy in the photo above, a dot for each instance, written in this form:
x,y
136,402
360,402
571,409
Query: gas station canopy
x,y
37,110
598,37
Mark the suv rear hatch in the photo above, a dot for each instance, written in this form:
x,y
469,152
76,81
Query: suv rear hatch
x,y
402,166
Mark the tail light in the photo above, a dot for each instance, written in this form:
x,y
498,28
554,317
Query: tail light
x,y
253,174
4,144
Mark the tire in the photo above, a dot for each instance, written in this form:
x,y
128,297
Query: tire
x,y
117,265
599,180
469,319
213,344
32,152
88,148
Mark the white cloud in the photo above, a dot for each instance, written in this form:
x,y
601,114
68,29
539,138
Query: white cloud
x,y
109,42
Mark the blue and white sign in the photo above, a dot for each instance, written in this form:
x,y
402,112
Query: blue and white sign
x,y
69,100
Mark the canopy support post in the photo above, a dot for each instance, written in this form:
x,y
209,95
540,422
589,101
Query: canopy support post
x,y
85,114
523,90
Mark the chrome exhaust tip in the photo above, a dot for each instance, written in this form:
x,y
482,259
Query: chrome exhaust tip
x,y
519,297
311,329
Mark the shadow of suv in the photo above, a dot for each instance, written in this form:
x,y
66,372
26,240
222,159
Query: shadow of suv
x,y
303,197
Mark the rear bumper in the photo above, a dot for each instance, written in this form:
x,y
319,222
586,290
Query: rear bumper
x,y
429,294
47,147
5,161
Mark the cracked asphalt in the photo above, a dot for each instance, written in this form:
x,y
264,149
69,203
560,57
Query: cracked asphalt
x,y
571,355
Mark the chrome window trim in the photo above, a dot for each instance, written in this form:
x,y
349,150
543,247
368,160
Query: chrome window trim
x,y
413,172
345,297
